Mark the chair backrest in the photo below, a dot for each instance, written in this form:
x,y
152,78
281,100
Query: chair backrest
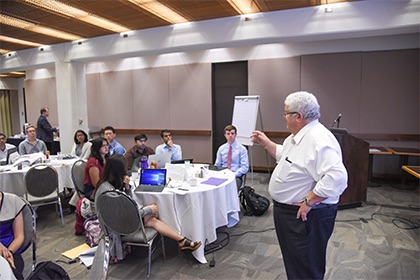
x,y
29,229
118,212
99,269
78,175
41,180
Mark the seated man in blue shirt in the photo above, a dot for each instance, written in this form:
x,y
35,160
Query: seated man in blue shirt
x,y
233,155
168,146
114,146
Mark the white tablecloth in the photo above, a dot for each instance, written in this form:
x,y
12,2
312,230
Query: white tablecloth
x,y
198,212
13,180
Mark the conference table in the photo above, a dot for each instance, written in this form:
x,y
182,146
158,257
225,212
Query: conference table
x,y
12,179
197,211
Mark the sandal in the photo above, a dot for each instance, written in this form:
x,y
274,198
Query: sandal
x,y
189,245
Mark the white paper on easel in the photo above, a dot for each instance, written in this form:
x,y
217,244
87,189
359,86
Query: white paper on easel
x,y
244,118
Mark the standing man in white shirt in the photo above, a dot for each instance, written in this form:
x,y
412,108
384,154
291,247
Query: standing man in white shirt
x,y
233,155
168,146
305,186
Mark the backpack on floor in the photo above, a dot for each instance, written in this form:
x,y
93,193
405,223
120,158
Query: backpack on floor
x,y
253,203
48,271
93,231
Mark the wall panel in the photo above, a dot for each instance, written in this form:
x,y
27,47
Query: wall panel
x,y
151,103
390,92
41,93
335,79
116,97
190,96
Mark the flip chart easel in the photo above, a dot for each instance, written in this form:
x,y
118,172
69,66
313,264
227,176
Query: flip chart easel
x,y
245,112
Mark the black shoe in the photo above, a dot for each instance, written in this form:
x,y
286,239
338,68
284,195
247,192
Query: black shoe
x,y
69,210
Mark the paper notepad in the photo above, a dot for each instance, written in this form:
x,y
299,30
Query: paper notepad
x,y
75,252
214,181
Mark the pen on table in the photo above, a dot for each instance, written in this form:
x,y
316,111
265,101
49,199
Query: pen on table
x,y
182,189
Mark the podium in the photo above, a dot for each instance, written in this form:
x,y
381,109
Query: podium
x,y
356,160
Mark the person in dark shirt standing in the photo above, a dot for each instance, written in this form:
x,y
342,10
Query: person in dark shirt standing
x,y
45,131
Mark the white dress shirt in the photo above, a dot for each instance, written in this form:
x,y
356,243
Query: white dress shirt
x,y
309,161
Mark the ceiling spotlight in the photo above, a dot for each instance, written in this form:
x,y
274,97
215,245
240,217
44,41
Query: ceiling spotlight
x,y
41,49
10,54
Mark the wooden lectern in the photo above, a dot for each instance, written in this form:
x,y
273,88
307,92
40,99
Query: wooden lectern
x,y
356,160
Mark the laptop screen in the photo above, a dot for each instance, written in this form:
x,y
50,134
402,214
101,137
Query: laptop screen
x,y
156,177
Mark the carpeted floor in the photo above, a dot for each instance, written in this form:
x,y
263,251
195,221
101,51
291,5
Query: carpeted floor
x,y
379,240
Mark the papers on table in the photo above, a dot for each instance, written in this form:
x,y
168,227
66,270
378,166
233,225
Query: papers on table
x,y
214,181
28,159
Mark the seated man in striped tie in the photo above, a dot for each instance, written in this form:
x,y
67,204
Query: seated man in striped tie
x,y
233,155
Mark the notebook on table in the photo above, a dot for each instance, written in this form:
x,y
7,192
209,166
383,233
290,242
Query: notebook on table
x,y
151,180
160,159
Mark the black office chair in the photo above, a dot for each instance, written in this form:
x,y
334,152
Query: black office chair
x,y
42,185
119,213
78,176
99,269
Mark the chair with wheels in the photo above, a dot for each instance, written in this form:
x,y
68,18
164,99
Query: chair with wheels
x,y
119,213
42,187
99,269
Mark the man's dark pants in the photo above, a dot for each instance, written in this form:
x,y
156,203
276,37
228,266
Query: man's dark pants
x,y
304,244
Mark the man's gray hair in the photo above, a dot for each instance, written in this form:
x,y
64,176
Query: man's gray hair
x,y
304,103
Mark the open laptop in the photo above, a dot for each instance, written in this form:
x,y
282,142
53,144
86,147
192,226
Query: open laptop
x,y
152,180
160,159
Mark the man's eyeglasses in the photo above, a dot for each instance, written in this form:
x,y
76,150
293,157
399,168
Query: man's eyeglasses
x,y
141,141
30,131
167,135
104,145
289,113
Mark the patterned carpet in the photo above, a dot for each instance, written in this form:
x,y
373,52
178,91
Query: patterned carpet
x,y
379,240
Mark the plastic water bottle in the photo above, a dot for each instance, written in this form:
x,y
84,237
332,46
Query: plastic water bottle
x,y
143,162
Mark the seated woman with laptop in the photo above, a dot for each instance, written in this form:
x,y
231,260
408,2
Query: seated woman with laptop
x,y
115,176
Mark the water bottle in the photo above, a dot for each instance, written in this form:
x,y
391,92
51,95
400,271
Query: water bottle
x,y
143,162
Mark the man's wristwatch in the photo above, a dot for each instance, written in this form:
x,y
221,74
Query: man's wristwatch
x,y
306,200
